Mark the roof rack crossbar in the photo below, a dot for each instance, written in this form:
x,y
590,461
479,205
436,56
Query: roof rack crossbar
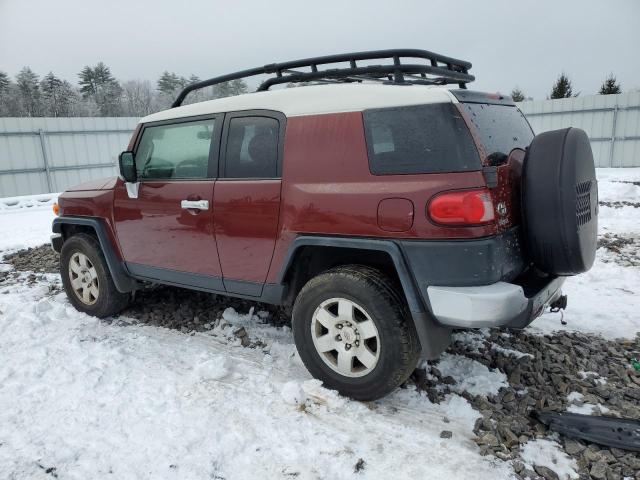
x,y
442,69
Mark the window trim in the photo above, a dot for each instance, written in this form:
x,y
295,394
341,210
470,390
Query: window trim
x,y
214,145
282,122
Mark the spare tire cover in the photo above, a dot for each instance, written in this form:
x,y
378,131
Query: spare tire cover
x,y
560,202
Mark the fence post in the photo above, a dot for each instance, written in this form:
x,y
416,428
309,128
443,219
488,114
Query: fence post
x,y
45,159
613,134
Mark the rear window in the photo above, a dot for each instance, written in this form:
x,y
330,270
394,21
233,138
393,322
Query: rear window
x,y
501,128
419,139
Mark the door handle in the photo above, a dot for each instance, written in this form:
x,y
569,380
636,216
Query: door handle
x,y
195,204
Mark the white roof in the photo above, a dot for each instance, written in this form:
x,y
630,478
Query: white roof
x,y
315,100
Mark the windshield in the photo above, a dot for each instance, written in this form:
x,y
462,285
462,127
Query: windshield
x,y
501,128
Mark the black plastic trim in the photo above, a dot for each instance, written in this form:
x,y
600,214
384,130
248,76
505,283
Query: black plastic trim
x,y
176,277
434,338
465,263
413,295
442,70
121,278
243,287
259,292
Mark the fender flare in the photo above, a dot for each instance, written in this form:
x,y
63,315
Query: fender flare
x,y
434,338
123,281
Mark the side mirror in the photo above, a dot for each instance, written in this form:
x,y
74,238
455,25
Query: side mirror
x,y
128,167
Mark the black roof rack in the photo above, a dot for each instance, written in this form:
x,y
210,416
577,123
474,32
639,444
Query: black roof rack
x,y
440,70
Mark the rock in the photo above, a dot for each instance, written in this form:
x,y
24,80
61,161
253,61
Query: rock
x,y
508,437
545,472
572,447
488,439
240,332
599,471
446,434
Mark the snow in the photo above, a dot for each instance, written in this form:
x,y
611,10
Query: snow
x,y
547,453
101,399
25,221
114,399
578,405
470,375
605,300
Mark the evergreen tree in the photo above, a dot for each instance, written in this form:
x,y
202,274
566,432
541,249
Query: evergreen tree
x,y
562,88
98,84
5,94
610,86
517,95
29,92
5,81
169,82
52,96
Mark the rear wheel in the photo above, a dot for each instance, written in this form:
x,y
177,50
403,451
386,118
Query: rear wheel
x,y
353,332
87,280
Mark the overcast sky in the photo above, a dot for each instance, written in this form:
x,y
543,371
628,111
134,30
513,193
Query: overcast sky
x,y
509,42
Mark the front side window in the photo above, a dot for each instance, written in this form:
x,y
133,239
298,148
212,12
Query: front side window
x,y
252,148
419,139
176,151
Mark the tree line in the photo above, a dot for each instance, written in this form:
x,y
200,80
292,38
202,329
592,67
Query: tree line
x,y
562,88
99,94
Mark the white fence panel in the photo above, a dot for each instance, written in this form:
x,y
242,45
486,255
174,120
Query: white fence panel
x,y
42,155
611,121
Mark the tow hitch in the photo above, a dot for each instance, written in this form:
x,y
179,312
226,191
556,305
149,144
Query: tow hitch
x,y
558,305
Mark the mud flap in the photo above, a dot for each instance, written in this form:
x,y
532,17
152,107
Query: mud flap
x,y
622,433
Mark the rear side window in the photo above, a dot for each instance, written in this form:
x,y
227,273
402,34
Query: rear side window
x,y
252,148
176,151
501,128
419,139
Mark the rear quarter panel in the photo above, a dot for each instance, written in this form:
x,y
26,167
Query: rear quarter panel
x,y
328,189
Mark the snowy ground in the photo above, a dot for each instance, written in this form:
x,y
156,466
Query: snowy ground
x,y
83,398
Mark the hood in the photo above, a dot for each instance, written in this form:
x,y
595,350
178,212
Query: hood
x,y
108,183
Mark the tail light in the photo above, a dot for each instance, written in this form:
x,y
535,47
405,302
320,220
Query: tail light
x,y
463,208
56,209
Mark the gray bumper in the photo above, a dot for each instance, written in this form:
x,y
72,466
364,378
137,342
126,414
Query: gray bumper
x,y
500,304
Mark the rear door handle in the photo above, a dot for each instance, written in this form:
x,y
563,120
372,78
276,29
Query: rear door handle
x,y
195,204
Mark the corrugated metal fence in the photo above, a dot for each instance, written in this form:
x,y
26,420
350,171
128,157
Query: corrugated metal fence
x,y
42,155
611,121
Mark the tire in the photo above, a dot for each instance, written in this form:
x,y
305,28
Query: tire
x,y
83,269
560,202
370,296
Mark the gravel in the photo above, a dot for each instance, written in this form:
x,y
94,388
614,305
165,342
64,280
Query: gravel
x,y
549,368
600,370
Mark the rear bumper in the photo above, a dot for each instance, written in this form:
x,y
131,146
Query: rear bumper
x,y
500,304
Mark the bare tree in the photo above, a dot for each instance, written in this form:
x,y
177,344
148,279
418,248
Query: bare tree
x,y
137,98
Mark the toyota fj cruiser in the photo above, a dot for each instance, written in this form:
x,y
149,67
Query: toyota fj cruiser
x,y
382,207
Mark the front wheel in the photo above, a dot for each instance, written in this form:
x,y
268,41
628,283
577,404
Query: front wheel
x,y
353,332
86,278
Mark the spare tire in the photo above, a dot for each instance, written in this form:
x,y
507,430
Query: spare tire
x,y
560,202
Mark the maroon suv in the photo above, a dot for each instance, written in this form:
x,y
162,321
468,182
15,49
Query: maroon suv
x,y
383,207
